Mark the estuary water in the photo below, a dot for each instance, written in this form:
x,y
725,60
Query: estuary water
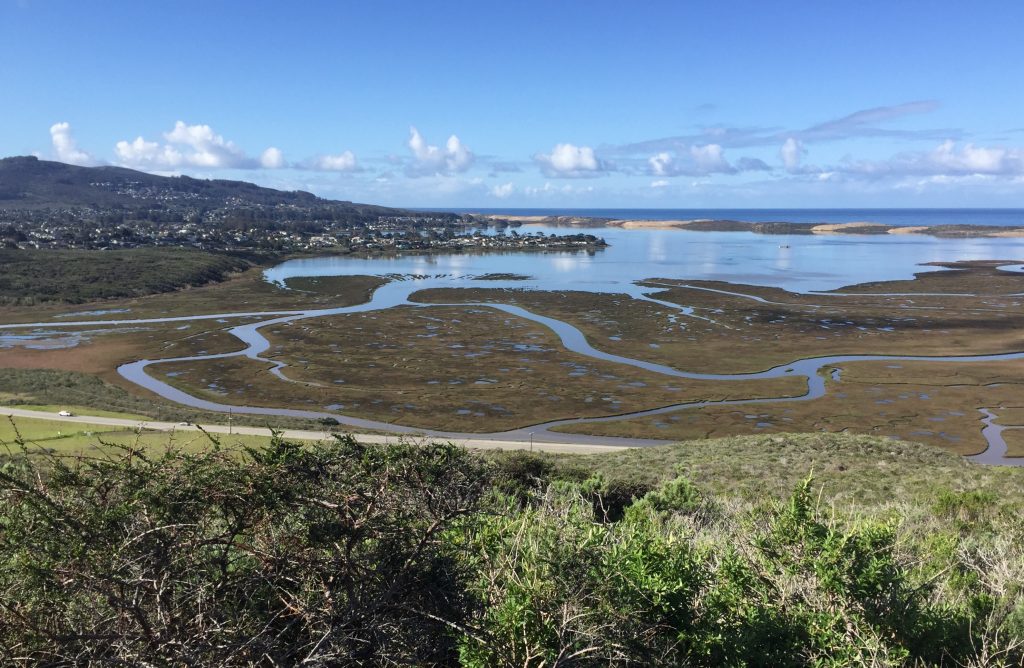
x,y
799,263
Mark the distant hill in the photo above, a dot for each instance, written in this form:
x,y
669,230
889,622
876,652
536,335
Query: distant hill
x,y
28,183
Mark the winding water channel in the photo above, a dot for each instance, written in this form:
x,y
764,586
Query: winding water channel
x,y
398,292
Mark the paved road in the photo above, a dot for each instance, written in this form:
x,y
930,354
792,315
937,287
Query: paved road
x,y
300,434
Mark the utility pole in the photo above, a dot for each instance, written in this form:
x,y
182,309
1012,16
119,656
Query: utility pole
x,y
229,422
531,441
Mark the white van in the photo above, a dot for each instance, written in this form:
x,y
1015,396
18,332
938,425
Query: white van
x,y
65,414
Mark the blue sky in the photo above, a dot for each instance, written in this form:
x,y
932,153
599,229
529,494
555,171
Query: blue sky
x,y
533,104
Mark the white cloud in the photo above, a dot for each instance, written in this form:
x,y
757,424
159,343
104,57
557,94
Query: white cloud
x,y
971,159
660,183
208,148
661,164
272,158
428,159
548,189
503,190
65,148
710,159
946,159
191,146
567,160
792,152
459,156
147,153
703,160
342,162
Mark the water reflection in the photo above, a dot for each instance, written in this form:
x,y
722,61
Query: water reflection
x,y
784,257
800,263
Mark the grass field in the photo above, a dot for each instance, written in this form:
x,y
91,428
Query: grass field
x,y
856,471
78,409
852,470
74,438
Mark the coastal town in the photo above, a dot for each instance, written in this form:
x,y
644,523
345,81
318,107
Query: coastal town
x,y
387,234
51,205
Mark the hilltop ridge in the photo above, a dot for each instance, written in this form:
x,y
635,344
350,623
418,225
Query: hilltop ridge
x,y
26,182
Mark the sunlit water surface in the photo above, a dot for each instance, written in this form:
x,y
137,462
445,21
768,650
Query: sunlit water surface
x,y
800,263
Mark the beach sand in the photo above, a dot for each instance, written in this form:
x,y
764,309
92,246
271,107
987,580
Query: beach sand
x,y
653,224
833,228
908,230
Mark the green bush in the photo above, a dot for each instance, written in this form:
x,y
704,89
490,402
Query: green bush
x,y
345,554
329,554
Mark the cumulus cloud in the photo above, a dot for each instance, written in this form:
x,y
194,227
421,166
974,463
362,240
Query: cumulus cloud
x,y
792,153
662,164
948,159
453,158
342,162
142,153
205,148
971,159
710,159
65,148
272,158
192,146
569,161
503,190
699,160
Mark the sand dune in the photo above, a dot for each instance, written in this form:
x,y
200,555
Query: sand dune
x,y
840,227
652,224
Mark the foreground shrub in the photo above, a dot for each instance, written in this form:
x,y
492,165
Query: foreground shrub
x,y
680,582
344,554
325,555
